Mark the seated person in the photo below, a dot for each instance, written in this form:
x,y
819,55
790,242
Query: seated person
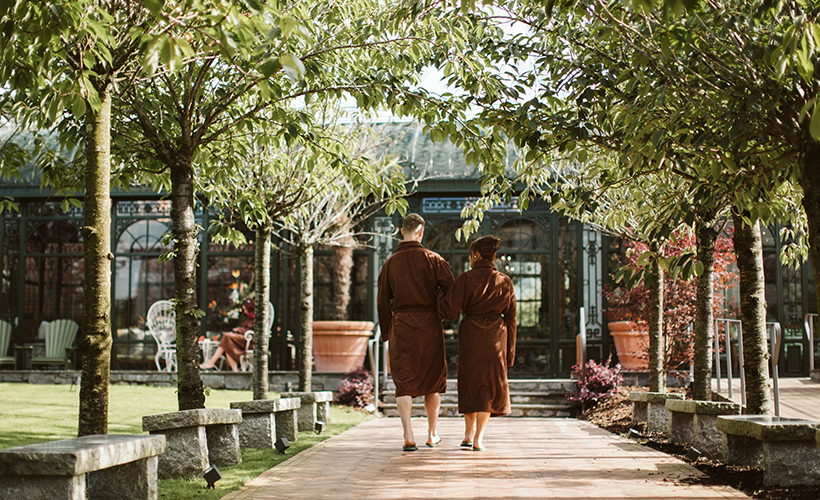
x,y
232,343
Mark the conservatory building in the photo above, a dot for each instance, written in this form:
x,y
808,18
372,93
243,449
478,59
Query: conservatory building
x,y
557,265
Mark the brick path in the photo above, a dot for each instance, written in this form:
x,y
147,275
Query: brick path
x,y
526,458
799,397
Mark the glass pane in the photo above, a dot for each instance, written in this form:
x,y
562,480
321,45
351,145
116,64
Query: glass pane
x,y
230,281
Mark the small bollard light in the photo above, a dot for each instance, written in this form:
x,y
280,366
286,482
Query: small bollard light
x,y
282,444
320,426
211,475
370,408
634,434
692,455
288,386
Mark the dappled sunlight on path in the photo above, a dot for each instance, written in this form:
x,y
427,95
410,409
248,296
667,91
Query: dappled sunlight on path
x,y
525,458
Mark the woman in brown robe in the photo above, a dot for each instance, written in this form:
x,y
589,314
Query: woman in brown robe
x,y
486,339
232,344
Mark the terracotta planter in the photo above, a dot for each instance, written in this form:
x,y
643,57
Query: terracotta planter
x,y
340,346
632,344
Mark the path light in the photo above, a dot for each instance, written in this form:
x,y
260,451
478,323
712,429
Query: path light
x,y
212,475
320,426
634,434
692,455
282,444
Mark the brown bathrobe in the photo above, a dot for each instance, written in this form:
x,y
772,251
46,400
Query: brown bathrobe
x,y
409,319
486,337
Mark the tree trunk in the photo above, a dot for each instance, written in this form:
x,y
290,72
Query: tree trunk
x,y
706,234
749,253
191,390
260,333
810,181
657,374
95,342
341,266
305,356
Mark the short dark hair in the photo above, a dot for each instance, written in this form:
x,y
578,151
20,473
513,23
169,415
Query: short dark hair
x,y
411,223
486,246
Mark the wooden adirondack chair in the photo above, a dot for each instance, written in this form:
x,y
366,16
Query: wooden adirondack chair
x,y
246,358
59,335
161,322
5,338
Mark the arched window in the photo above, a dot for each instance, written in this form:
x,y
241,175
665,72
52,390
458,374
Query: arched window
x,y
140,279
524,256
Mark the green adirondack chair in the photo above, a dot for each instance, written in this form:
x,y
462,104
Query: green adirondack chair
x,y
5,337
60,335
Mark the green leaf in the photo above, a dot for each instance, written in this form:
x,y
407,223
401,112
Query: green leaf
x,y
814,127
78,107
270,67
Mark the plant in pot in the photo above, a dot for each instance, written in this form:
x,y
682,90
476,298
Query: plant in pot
x,y
628,301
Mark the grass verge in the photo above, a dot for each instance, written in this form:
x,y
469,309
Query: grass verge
x,y
32,414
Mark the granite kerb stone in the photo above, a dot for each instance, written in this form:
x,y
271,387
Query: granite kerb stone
x,y
768,427
72,457
702,407
190,418
267,405
653,397
310,397
315,406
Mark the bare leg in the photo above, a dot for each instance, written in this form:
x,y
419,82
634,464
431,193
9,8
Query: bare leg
x,y
469,427
212,362
405,406
232,362
482,418
432,404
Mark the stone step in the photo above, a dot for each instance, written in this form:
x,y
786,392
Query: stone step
x,y
518,410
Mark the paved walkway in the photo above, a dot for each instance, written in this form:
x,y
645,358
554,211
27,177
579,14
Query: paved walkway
x,y
799,397
526,459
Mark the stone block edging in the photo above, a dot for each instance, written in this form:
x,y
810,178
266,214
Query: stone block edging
x,y
769,427
650,407
315,406
190,418
92,467
785,447
195,439
702,407
267,405
653,397
694,422
266,420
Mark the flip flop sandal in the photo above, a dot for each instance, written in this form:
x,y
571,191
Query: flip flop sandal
x,y
410,447
467,444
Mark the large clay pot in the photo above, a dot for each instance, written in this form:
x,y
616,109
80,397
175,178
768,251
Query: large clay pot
x,y
632,344
340,346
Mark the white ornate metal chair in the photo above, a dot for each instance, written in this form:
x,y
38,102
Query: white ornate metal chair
x,y
161,322
59,336
246,358
5,338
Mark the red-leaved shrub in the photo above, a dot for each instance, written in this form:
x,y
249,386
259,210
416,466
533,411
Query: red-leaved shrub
x,y
601,382
356,389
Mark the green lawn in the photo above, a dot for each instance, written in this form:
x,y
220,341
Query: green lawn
x,y
37,413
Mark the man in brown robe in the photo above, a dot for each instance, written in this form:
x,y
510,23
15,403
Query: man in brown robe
x,y
409,319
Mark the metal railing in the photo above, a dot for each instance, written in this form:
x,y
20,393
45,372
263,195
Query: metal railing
x,y
808,324
775,340
728,323
374,348
582,332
